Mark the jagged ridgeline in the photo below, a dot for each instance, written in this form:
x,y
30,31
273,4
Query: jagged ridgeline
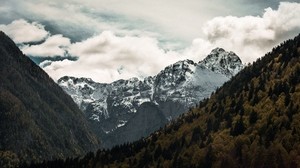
x,y
114,109
251,121
38,121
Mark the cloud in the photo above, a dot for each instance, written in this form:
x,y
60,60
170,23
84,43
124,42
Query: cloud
x,y
83,21
252,36
179,20
111,55
55,45
22,31
45,63
100,57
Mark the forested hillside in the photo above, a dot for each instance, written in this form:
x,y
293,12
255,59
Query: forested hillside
x,y
251,121
38,121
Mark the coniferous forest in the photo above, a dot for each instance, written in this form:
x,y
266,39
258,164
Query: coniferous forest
x,y
38,121
253,120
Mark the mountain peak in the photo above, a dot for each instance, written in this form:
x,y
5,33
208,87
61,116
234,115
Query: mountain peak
x,y
113,108
218,50
222,61
175,74
75,80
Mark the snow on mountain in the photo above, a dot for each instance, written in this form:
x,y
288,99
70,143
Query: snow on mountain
x,y
220,61
174,89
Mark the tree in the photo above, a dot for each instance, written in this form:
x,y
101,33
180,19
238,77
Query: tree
x,y
253,117
238,128
197,134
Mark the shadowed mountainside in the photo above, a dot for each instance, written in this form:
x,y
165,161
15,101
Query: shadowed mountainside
x,y
38,120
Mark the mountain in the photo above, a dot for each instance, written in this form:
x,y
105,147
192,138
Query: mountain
x,y
38,120
148,118
173,90
251,121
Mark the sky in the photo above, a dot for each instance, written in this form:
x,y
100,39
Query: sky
x,y
107,40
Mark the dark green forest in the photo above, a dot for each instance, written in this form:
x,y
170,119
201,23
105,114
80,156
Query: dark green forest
x,y
253,120
38,121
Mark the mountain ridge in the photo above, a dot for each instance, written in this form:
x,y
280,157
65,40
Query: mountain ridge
x,y
174,90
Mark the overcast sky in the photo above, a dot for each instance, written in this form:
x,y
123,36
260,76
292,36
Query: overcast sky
x,y
108,40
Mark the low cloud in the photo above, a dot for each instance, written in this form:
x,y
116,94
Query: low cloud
x,y
21,31
101,57
56,45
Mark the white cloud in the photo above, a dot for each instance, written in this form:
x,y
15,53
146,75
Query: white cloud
x,y
45,63
253,36
286,18
173,19
82,19
22,31
56,45
198,50
101,56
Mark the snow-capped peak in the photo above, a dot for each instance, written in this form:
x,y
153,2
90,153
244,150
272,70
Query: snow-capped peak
x,y
174,75
221,61
174,89
180,67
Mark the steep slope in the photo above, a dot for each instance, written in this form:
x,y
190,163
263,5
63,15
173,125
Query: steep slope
x,y
37,119
148,118
176,88
251,121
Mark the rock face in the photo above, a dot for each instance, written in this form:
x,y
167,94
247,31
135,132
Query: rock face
x,y
147,119
116,106
38,120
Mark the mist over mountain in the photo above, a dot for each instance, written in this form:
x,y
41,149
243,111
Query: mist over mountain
x,y
114,108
